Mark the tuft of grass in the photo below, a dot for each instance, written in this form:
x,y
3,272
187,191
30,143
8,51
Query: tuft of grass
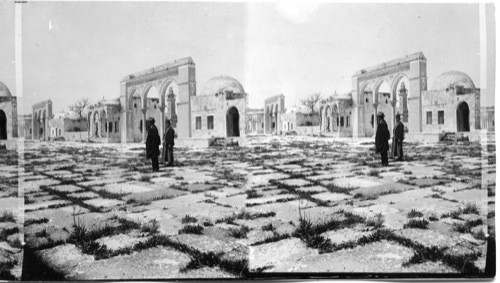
x,y
373,172
240,232
253,194
376,222
414,213
417,223
188,219
7,216
467,226
470,208
274,238
268,227
36,221
145,178
191,229
151,226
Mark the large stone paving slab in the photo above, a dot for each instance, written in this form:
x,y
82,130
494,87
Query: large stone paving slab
x,y
377,257
154,263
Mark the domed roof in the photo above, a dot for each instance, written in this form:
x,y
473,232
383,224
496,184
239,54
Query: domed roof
x,y
4,90
298,109
67,115
220,84
451,79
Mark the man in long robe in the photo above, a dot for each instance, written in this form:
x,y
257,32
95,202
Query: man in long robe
x,y
168,144
382,139
397,139
152,144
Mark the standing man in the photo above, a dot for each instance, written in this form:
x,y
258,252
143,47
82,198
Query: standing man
x,y
397,139
382,139
168,144
152,144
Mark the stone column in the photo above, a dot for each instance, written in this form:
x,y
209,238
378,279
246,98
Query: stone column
x,y
162,123
375,120
393,104
144,124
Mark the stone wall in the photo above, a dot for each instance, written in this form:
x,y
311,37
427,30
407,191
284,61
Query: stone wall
x,y
308,130
217,106
447,101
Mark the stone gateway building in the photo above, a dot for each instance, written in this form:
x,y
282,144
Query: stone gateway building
x,y
8,114
452,105
169,92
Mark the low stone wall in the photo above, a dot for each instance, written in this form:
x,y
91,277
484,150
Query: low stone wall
x,y
307,130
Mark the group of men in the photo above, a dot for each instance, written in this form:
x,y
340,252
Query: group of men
x,y
382,139
153,144
381,142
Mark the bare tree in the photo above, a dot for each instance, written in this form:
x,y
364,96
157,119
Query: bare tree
x,y
80,106
311,101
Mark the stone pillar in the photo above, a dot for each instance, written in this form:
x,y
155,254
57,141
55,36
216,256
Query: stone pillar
x,y
393,113
144,124
162,123
375,122
403,98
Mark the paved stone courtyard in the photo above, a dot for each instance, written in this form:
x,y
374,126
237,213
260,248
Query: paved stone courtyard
x,y
283,204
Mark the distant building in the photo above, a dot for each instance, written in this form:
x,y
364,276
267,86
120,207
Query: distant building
x,y
65,124
296,118
218,111
255,121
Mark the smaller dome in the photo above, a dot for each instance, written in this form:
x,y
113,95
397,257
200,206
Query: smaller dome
x,y
299,109
220,84
451,79
67,115
4,90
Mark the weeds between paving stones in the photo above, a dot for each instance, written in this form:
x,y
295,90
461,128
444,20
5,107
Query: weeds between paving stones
x,y
276,237
151,226
414,213
5,233
253,194
310,233
240,232
7,216
198,259
188,219
192,229
416,223
5,267
243,214
470,208
467,226
376,222
268,227
462,263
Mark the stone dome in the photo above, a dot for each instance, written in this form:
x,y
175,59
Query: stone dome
x,y
451,79
220,84
4,90
299,109
67,115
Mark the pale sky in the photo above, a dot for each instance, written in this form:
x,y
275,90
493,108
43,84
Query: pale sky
x,y
83,49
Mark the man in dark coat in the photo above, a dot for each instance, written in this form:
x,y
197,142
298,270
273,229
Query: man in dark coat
x,y
152,144
382,139
168,144
397,139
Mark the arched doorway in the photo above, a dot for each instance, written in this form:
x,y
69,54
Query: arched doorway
x,y
3,125
463,117
233,122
